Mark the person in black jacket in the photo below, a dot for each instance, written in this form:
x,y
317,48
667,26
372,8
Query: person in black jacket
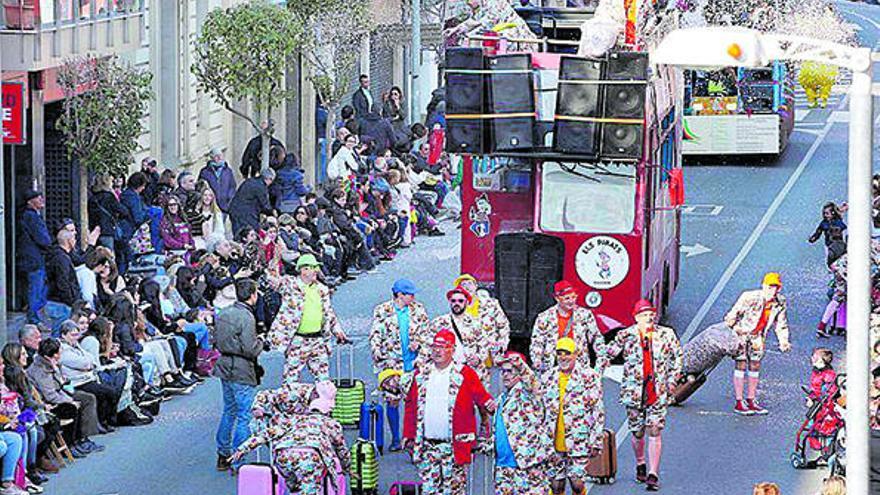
x,y
33,245
379,130
105,211
64,288
362,100
150,169
252,158
341,217
251,199
288,188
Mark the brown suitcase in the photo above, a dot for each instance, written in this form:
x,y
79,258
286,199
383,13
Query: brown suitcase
x,y
687,387
603,468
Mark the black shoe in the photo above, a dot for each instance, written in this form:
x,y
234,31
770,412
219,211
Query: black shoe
x,y
436,233
77,453
641,473
653,483
223,463
36,477
186,381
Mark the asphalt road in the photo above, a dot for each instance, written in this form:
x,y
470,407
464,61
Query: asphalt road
x,y
759,218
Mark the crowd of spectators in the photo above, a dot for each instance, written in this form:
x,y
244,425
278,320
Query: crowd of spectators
x,y
121,317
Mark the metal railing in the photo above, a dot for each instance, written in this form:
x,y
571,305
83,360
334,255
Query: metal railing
x,y
40,15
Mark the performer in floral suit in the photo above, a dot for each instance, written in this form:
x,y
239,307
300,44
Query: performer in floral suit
x,y
566,319
305,322
313,449
440,424
467,330
275,410
573,399
522,440
753,314
496,326
651,364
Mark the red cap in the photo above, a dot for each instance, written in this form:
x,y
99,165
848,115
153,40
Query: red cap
x,y
512,357
445,338
459,290
643,305
563,288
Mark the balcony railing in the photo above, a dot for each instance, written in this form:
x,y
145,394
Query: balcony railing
x,y
27,15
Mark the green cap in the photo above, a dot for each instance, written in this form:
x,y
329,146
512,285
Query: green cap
x,y
307,260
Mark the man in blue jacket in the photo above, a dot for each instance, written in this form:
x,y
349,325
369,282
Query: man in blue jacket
x,y
34,243
219,176
133,202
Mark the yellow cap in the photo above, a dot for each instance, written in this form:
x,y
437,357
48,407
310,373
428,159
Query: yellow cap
x,y
461,278
772,278
566,344
388,373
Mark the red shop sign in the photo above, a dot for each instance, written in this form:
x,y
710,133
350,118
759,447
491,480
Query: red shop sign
x,y
12,112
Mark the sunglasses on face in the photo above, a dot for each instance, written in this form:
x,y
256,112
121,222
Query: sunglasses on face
x,y
458,301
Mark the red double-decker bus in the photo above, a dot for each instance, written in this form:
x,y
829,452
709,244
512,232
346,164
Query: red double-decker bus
x,y
611,226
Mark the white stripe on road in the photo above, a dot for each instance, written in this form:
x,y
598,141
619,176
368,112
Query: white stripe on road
x,y
623,431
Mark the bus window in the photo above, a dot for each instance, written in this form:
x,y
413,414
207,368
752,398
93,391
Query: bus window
x,y
501,174
580,197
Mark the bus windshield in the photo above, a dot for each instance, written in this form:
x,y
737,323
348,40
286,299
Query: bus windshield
x,y
594,197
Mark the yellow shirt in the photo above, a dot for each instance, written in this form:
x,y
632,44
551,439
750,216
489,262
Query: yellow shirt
x,y
313,312
559,438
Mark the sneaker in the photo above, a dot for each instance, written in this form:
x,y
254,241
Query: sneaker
x,y
91,446
742,409
33,487
755,408
36,477
76,453
12,490
641,473
652,483
223,463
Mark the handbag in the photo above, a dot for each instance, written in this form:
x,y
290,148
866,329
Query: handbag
x,y
141,241
117,230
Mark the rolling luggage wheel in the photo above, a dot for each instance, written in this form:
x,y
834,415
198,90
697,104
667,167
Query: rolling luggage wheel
x,y
797,461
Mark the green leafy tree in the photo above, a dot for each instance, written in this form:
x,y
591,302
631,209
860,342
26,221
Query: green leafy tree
x,y
333,31
241,55
103,112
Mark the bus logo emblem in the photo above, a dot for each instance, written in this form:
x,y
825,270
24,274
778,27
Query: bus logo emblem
x,y
602,262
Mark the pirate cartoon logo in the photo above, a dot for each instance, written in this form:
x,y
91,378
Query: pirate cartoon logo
x,y
479,216
604,265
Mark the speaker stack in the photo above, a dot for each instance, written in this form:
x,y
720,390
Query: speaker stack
x,y
600,107
490,102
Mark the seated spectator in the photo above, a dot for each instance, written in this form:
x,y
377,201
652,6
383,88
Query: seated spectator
x,y
379,130
79,369
208,220
344,164
15,361
65,402
108,284
63,285
287,190
97,268
20,436
189,325
30,337
343,219
288,234
341,134
174,228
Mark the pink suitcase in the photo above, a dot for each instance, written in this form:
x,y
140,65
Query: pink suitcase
x,y
260,479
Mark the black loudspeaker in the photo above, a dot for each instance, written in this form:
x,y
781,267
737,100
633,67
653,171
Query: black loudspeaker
x,y
624,101
511,102
578,100
464,100
526,267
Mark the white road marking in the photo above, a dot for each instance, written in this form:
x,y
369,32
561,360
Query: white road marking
x,y
695,250
623,431
702,210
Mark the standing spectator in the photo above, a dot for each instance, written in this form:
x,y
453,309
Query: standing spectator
x,y
252,158
149,168
219,176
652,364
750,318
573,397
394,109
346,115
379,130
105,212
33,245
567,319
251,199
288,188
362,100
61,278
344,164
237,368
398,331
174,229
522,439
440,424
132,200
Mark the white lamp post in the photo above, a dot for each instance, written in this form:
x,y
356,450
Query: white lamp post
x,y
716,47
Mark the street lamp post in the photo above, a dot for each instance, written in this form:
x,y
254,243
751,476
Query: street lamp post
x,y
716,47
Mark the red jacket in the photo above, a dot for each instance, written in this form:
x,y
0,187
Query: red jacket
x,y
469,392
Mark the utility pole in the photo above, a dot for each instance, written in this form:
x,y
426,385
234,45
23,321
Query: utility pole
x,y
3,329
415,113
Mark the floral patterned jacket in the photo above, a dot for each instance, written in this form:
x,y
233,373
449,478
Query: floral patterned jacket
x,y
280,406
667,364
496,327
292,291
471,335
586,333
744,315
385,334
582,410
525,419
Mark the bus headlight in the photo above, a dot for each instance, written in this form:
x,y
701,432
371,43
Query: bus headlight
x,y
593,299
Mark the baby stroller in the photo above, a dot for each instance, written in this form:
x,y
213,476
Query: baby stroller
x,y
822,431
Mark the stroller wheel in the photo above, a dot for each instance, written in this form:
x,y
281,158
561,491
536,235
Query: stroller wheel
x,y
797,460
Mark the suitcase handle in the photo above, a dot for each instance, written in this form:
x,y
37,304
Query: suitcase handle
x,y
350,346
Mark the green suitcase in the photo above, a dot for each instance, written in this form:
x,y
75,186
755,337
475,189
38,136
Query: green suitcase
x,y
364,468
350,393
